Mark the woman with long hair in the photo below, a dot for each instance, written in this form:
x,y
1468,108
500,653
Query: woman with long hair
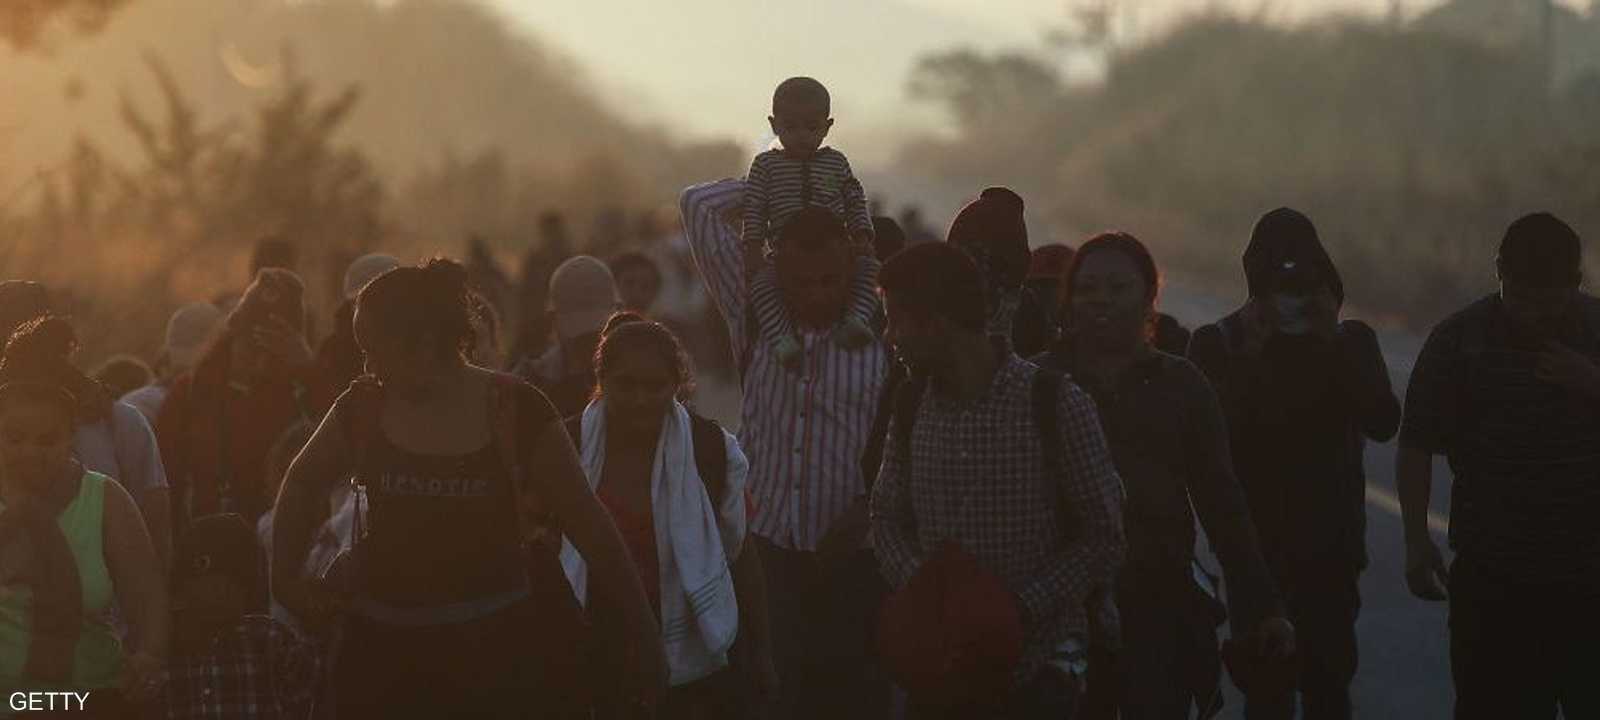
x,y
1170,445
72,544
675,483
460,465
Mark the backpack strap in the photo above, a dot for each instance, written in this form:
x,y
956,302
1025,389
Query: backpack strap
x,y
907,401
710,456
1046,394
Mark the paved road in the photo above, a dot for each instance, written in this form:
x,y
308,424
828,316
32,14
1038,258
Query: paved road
x,y
1404,647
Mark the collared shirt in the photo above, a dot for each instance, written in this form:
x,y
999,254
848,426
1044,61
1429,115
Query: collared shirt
x,y
978,476
804,429
257,669
1525,452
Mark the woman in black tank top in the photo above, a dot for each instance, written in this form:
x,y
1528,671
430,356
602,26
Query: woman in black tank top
x,y
436,616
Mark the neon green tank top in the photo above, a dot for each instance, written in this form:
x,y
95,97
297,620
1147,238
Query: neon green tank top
x,y
99,654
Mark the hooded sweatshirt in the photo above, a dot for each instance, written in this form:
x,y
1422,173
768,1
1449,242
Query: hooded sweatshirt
x,y
1300,410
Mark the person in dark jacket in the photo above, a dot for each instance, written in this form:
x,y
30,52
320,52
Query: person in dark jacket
x,y
1170,445
1302,393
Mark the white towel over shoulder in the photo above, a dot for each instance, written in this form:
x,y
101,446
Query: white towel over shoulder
x,y
699,613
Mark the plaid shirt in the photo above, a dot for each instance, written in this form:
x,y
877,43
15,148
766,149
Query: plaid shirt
x,y
256,669
978,477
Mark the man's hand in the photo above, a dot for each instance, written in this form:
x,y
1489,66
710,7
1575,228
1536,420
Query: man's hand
x,y
1323,313
1561,365
1426,573
280,340
1275,639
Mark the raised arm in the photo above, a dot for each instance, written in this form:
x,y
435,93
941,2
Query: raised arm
x,y
709,224
586,523
302,504
1092,492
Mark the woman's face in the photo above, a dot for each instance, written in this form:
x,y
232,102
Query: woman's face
x,y
393,360
1110,300
638,389
35,440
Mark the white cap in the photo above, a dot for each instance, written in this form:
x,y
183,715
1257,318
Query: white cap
x,y
583,295
189,331
364,270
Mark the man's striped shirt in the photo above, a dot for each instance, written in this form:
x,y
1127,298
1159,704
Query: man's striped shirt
x,y
803,430
778,186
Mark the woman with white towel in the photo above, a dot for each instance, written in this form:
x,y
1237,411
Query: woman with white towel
x,y
675,485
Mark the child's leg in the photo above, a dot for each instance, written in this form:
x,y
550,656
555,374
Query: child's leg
x,y
856,329
767,304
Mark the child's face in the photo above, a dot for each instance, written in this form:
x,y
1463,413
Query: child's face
x,y
801,130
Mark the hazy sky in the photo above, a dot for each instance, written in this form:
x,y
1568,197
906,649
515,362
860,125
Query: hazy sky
x,y
709,66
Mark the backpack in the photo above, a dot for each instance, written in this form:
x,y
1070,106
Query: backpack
x,y
710,452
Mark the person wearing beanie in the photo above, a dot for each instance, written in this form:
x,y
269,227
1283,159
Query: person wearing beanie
x,y
1302,392
227,652
1507,390
190,331
222,417
992,230
583,295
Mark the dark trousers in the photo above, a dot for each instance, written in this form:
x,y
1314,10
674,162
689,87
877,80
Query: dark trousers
x,y
1323,607
1051,695
483,668
1520,649
1166,646
822,622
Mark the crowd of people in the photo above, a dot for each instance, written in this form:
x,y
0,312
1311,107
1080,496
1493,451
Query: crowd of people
x,y
965,480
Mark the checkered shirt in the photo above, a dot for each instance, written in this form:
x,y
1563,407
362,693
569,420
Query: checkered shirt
x,y
978,476
258,669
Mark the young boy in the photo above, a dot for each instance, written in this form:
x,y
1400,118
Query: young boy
x,y
785,181
229,659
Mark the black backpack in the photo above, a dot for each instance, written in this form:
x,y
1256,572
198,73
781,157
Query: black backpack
x,y
710,452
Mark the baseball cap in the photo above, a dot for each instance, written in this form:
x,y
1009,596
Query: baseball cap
x,y
365,269
189,330
583,295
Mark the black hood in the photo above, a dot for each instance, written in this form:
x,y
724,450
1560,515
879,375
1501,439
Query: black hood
x,y
1285,244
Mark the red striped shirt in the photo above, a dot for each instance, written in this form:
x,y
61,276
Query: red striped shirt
x,y
803,430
